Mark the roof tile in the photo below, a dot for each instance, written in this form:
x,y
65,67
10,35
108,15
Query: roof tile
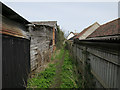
x,y
110,28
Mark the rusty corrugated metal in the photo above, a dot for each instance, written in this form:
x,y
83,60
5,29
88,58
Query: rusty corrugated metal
x,y
13,32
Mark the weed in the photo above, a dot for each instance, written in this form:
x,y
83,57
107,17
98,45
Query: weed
x,y
52,58
43,79
69,77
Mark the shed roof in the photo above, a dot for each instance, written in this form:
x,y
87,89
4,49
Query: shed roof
x,y
81,33
111,28
11,23
9,13
48,23
15,32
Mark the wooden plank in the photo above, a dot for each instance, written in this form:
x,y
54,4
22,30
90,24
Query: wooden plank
x,y
34,59
33,53
34,48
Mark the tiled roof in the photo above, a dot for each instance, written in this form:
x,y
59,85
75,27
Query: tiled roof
x,y
76,33
81,33
110,28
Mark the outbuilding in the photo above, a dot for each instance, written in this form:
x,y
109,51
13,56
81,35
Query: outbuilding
x,y
15,49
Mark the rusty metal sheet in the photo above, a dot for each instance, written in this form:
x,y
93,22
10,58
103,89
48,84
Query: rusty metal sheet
x,y
12,28
13,32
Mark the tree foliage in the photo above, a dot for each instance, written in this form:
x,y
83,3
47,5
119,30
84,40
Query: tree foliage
x,y
59,38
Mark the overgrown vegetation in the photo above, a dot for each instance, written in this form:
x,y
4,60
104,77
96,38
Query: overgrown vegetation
x,y
69,75
59,38
62,71
57,55
43,79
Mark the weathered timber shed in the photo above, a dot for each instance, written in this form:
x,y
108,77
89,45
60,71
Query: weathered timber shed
x,y
15,49
43,37
52,24
99,55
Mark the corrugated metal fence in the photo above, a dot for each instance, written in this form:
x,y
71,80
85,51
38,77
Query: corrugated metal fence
x,y
104,63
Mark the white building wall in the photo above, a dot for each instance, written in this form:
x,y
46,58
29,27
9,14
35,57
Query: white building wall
x,y
70,36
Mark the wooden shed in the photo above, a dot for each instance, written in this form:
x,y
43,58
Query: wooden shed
x,y
15,49
43,36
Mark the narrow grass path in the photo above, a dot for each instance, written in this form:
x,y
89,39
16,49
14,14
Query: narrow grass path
x,y
57,78
46,78
60,73
70,78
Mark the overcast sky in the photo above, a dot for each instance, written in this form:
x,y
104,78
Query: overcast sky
x,y
70,16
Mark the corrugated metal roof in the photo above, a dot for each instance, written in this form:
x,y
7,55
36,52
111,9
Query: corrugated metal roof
x,y
12,23
9,13
13,32
114,37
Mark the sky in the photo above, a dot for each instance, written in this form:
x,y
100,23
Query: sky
x,y
71,16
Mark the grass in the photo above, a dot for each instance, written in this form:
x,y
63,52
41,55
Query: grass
x,y
69,77
43,79
68,81
57,55
52,57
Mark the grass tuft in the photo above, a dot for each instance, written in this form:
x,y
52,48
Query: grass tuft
x,y
43,79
